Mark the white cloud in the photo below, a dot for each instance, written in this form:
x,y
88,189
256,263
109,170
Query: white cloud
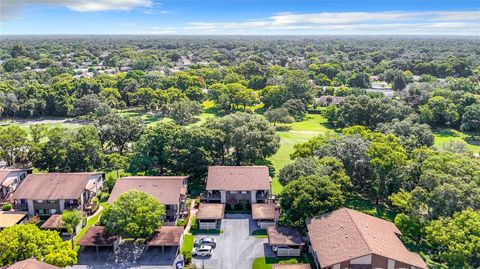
x,y
391,22
10,8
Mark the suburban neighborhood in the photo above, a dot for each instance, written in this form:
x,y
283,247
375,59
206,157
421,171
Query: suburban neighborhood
x,y
222,228
266,134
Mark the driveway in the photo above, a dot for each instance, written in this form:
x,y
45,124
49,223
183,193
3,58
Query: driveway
x,y
236,247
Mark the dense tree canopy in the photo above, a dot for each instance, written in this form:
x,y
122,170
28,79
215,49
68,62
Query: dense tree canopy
x,y
307,197
25,241
133,214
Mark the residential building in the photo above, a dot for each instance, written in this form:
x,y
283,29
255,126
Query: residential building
x,y
10,179
52,193
170,191
346,238
32,264
329,100
10,218
238,184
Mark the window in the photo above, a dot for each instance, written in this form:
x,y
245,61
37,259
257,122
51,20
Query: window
x,y
23,201
52,201
233,192
244,192
41,211
53,211
71,201
39,201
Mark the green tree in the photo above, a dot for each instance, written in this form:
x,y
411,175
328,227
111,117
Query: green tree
x,y
247,97
296,108
69,150
134,214
185,111
20,242
14,144
117,132
471,119
307,197
456,240
278,115
71,219
246,138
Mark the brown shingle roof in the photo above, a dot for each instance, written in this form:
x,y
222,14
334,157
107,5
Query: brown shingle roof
x,y
54,222
238,178
284,236
291,266
267,211
166,236
52,186
346,234
166,190
210,211
97,236
10,218
32,264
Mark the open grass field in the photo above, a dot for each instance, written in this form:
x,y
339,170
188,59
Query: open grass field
x,y
444,135
311,126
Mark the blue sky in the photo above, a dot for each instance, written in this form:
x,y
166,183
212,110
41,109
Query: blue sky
x,y
239,17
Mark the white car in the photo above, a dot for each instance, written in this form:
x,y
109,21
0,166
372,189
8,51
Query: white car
x,y
208,241
203,251
276,248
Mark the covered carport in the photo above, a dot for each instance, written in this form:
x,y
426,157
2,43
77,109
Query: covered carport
x,y
209,216
285,237
96,237
266,215
167,236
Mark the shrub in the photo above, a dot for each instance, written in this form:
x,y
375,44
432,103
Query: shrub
x,y
187,256
103,196
6,207
290,261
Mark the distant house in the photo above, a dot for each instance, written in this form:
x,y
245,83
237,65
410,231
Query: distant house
x,y
347,238
10,179
389,93
238,184
170,191
329,100
52,193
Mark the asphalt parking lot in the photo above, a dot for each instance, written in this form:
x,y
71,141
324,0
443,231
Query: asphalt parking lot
x,y
236,247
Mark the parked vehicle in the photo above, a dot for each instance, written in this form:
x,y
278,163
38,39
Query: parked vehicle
x,y
208,241
275,249
203,251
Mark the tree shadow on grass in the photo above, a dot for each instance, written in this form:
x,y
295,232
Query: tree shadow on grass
x,y
446,133
368,207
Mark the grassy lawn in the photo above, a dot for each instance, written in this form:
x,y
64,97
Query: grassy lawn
x,y
90,223
266,262
187,245
444,135
262,233
311,126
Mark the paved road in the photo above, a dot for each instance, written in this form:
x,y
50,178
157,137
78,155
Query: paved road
x,y
236,248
